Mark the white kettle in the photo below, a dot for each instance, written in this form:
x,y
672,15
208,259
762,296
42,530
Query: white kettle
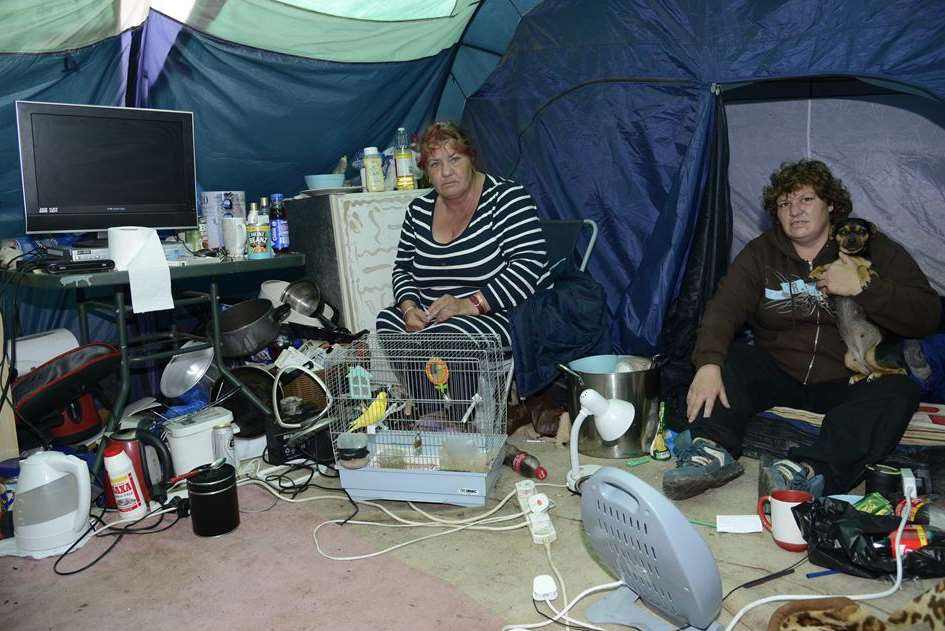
x,y
51,509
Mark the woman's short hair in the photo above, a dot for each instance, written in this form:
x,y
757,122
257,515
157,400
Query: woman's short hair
x,y
440,133
814,173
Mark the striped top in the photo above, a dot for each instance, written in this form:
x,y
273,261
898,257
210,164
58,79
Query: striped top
x,y
501,252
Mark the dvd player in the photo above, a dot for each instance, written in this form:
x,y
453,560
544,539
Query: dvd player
x,y
78,252
77,267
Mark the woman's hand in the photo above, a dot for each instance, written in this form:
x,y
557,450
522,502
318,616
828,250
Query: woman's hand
x,y
705,388
841,278
415,318
447,306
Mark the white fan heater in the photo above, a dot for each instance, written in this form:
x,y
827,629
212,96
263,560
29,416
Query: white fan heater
x,y
649,544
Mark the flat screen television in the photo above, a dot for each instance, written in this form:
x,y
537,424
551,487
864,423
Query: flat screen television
x,y
89,168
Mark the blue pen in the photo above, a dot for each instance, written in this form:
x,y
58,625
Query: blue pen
x,y
822,573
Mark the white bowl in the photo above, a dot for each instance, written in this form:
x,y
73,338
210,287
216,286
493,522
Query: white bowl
x,y
325,180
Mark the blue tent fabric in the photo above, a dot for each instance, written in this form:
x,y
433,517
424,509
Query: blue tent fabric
x,y
604,110
95,75
263,120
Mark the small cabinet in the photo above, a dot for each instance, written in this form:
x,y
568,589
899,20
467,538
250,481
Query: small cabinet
x,y
350,241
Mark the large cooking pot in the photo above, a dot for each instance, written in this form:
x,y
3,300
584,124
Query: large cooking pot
x,y
249,326
626,377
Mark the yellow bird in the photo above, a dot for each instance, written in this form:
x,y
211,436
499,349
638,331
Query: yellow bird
x,y
373,414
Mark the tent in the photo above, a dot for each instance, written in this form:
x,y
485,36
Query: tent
x,y
657,118
279,88
639,114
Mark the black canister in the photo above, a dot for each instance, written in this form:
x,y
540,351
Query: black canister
x,y
214,505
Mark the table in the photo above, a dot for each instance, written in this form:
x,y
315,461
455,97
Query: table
x,y
137,350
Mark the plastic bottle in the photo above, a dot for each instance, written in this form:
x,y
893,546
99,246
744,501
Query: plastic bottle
x,y
125,484
258,245
403,161
373,171
523,462
279,225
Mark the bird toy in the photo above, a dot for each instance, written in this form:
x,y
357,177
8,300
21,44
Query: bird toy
x,y
438,373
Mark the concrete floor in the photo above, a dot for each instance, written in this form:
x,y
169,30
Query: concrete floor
x,y
490,569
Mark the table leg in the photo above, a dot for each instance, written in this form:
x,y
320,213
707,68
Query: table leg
x,y
118,407
218,352
83,317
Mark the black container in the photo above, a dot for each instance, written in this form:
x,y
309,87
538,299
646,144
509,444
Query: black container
x,y
214,505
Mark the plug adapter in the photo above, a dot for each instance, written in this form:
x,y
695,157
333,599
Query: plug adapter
x,y
544,588
909,488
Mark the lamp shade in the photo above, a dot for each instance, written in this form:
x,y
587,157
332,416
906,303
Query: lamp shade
x,y
612,417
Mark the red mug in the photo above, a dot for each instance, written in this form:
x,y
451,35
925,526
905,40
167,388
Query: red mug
x,y
783,526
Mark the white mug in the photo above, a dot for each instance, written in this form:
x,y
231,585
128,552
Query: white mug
x,y
234,236
783,526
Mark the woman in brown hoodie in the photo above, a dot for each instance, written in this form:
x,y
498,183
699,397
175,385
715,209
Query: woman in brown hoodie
x,y
797,359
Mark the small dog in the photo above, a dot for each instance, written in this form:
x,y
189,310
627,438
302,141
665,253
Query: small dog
x,y
859,334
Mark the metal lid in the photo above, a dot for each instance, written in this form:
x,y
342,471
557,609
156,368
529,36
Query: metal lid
x,y
211,480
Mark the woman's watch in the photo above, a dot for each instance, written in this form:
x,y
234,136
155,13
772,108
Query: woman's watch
x,y
477,303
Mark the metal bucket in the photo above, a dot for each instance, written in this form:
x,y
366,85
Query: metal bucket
x,y
627,377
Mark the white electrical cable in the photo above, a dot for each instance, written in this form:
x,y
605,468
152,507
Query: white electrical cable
x,y
133,520
554,568
275,394
405,543
569,619
567,608
882,594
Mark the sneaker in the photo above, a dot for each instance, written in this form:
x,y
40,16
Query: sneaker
x,y
701,465
775,475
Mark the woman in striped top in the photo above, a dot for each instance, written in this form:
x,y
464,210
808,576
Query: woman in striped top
x,y
469,250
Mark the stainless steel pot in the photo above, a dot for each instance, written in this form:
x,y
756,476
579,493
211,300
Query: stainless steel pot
x,y
249,326
303,296
627,377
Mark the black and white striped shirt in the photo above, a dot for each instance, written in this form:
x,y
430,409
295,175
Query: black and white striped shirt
x,y
501,252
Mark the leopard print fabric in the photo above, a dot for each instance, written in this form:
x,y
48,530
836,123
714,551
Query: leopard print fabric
x,y
926,612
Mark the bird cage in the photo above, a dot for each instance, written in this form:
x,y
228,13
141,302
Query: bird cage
x,y
433,423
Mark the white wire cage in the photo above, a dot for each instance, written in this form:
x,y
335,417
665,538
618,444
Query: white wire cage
x,y
420,403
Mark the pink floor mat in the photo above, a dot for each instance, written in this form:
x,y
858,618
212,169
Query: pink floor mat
x,y
264,575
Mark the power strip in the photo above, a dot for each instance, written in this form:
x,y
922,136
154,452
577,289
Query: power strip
x,y
535,505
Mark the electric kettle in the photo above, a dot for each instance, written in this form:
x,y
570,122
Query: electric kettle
x,y
51,509
133,443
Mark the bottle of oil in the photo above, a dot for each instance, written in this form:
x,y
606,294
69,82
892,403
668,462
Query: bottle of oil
x,y
403,161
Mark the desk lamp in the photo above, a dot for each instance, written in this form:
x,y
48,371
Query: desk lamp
x,y
611,418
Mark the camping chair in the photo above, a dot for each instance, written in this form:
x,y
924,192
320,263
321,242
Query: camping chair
x,y
561,237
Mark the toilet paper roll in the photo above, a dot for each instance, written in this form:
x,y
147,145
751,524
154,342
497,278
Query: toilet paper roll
x,y
139,252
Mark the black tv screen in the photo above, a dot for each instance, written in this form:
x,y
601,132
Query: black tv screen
x,y
89,168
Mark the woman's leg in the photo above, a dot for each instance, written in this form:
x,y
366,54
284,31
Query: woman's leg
x,y
753,383
862,425
707,453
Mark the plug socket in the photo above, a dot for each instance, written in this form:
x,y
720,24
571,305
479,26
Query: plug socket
x,y
544,588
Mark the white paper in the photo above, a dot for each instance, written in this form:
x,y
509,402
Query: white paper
x,y
139,252
738,523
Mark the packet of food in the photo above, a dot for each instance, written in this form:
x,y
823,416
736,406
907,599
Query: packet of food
x,y
874,504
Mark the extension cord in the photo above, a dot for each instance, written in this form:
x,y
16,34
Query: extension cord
x,y
535,506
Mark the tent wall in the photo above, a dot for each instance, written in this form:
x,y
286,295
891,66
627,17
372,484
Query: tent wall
x,y
263,120
95,74
888,150
654,134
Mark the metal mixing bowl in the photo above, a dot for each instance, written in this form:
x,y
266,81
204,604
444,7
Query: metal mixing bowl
x,y
187,370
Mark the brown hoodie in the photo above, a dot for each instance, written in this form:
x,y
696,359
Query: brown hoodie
x,y
768,287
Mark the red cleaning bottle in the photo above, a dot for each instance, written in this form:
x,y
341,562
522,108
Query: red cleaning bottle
x,y
523,462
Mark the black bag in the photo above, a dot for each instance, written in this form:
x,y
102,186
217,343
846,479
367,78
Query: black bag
x,y
845,539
